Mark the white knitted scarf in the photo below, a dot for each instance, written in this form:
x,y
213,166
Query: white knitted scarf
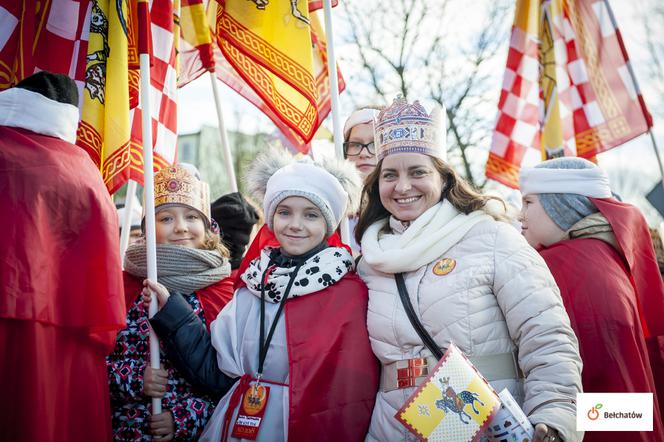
x,y
426,239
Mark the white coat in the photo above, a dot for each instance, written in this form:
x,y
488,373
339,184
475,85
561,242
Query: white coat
x,y
499,297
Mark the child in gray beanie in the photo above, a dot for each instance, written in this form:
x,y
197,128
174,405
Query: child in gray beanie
x,y
600,254
566,209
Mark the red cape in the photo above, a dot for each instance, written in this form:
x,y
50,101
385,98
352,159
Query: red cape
x,y
605,306
61,283
332,370
213,297
62,258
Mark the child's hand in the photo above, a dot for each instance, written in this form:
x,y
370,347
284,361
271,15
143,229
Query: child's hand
x,y
162,426
160,290
154,382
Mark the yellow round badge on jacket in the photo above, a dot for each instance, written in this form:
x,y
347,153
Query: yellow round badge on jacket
x,y
444,266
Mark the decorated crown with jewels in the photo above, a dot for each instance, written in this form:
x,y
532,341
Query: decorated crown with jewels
x,y
177,185
404,127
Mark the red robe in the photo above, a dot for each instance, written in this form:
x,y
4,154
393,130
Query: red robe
x,y
614,301
62,297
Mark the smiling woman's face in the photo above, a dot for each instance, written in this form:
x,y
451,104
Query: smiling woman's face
x,y
365,162
409,184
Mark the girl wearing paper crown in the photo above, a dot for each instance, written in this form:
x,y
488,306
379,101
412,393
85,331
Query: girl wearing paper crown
x,y
470,278
295,332
192,263
599,251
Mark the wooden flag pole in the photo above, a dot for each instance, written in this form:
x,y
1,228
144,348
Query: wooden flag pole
x,y
148,176
223,134
125,228
334,92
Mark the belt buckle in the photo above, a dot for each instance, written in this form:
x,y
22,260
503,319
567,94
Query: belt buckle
x,y
409,370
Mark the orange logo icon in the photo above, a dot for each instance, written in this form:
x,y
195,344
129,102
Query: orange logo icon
x,y
444,266
593,414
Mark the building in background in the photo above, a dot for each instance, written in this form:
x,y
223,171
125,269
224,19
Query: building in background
x,y
203,149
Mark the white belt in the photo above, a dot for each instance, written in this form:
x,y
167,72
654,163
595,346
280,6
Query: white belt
x,y
412,372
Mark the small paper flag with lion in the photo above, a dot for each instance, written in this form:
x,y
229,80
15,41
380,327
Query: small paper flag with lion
x,y
454,403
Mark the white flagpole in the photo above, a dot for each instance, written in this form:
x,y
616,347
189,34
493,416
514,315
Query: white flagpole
x,y
150,236
334,92
125,228
223,134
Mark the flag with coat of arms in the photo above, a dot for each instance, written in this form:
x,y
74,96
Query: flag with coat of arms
x,y
454,403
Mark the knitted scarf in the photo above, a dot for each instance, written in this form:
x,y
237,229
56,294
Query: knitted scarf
x,y
181,269
427,238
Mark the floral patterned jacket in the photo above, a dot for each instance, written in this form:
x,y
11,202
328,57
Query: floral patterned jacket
x,y
130,407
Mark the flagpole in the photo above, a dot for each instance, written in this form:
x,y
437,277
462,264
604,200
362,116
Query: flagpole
x,y
659,158
148,176
223,134
125,228
334,92
642,103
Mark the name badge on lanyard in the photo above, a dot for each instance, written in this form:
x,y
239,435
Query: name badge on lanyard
x,y
252,410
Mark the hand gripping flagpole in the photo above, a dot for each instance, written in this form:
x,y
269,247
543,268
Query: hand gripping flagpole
x,y
228,157
148,174
334,92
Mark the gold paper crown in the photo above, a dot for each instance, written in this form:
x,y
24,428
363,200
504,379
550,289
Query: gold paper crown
x,y
404,127
176,185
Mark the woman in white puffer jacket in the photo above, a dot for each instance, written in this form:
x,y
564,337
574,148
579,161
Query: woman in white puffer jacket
x,y
472,280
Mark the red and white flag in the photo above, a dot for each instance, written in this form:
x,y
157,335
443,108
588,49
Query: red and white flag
x,y
163,92
568,88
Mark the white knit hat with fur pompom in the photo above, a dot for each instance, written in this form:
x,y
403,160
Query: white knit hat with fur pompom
x,y
332,185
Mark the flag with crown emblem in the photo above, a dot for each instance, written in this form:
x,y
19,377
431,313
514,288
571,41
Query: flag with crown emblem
x,y
568,89
454,403
104,127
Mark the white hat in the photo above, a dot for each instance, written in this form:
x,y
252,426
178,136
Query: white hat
x,y
565,175
136,213
359,116
311,182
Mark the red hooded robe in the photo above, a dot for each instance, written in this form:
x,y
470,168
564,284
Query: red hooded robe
x,y
615,301
61,301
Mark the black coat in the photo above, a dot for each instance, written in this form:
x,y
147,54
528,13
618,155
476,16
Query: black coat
x,y
189,347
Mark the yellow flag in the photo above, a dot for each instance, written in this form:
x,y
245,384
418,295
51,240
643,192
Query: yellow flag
x,y
104,127
269,46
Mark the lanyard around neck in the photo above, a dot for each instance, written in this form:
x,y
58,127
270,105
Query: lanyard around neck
x,y
264,343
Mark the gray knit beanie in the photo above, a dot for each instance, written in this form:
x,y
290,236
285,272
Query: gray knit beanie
x,y
566,209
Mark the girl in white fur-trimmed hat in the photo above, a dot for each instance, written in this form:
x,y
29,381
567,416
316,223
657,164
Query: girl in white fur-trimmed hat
x,y
295,332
